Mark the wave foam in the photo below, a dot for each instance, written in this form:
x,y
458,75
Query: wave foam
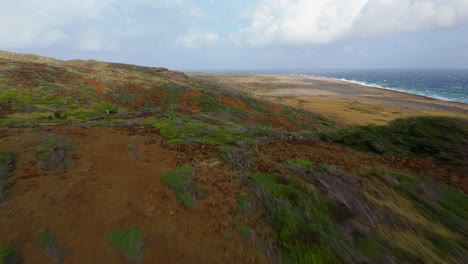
x,y
374,85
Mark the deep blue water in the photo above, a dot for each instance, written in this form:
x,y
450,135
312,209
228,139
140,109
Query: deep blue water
x,y
450,85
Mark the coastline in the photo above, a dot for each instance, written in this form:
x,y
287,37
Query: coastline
x,y
384,88
344,102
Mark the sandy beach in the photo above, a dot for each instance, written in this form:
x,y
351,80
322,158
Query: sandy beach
x,y
345,103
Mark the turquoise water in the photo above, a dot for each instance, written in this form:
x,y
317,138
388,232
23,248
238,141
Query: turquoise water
x,y
450,85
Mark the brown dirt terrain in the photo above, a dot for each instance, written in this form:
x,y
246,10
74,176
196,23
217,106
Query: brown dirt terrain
x,y
106,189
234,102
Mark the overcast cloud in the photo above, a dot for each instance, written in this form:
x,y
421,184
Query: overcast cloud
x,y
222,34
324,21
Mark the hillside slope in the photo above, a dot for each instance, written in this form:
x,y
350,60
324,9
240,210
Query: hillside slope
x,y
122,163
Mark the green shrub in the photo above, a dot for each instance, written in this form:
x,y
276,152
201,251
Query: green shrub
x,y
8,255
52,151
50,244
237,156
244,230
128,242
186,129
301,220
7,163
440,202
302,165
186,199
445,138
208,103
104,107
246,203
181,180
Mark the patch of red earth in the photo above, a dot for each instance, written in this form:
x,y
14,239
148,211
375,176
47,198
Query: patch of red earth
x,y
278,122
99,86
234,102
136,96
272,107
5,109
353,161
133,78
107,189
189,100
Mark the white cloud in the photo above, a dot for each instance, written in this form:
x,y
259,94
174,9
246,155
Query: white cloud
x,y
194,39
36,23
301,22
93,25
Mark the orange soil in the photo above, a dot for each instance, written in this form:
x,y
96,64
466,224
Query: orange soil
x,y
272,107
234,102
108,189
188,102
278,122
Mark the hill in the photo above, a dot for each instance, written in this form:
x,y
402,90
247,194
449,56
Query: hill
x,y
124,163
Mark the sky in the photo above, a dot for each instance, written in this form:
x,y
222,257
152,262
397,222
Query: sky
x,y
230,35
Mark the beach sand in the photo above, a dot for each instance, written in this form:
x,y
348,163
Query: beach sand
x,y
343,102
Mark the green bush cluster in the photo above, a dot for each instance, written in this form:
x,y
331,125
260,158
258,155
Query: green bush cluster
x,y
311,228
8,161
245,202
128,242
445,138
244,230
51,246
8,255
303,222
181,129
181,180
303,165
443,208
441,203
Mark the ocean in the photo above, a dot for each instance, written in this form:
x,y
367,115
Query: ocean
x,y
449,85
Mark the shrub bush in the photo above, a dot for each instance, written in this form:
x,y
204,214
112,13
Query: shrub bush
x,y
52,151
128,242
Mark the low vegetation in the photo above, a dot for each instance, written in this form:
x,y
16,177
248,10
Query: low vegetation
x,y
133,150
8,255
322,214
7,163
52,153
49,243
181,180
247,203
244,230
7,166
445,138
129,243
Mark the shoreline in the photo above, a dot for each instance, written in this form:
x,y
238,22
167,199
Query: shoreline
x,y
379,87
424,97
346,103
